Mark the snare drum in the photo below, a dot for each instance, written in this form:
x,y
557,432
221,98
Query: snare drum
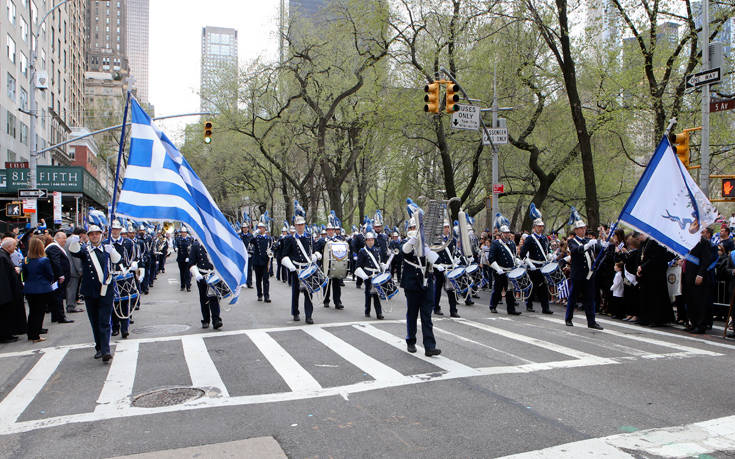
x,y
553,274
458,280
477,278
521,282
125,287
216,287
384,286
312,279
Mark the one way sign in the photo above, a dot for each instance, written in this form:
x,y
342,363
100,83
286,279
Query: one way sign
x,y
710,76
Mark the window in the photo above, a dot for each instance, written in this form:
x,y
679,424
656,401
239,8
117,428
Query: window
x,y
11,87
72,153
64,61
11,11
23,64
24,30
23,99
11,49
10,125
11,156
23,133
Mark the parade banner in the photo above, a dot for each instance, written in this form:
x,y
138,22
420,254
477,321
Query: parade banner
x,y
57,207
667,204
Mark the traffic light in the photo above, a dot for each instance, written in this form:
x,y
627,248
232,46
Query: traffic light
x,y
207,132
680,142
452,97
728,188
431,98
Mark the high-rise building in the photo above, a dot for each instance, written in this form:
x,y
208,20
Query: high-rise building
x,y
604,25
137,46
106,38
219,58
308,8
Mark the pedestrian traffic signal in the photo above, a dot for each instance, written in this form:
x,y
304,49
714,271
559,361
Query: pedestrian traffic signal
x,y
207,132
680,142
452,97
728,188
431,98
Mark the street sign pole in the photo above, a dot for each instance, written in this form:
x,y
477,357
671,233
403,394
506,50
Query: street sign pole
x,y
704,150
495,147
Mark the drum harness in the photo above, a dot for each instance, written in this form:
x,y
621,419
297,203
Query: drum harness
x,y
117,305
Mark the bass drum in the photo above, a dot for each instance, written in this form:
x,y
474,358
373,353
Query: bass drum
x,y
336,259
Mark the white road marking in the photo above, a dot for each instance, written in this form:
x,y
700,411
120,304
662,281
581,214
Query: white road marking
x,y
296,376
663,333
369,365
690,440
16,402
477,343
118,386
202,370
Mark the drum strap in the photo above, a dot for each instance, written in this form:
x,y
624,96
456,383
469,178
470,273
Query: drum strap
x,y
541,248
372,258
100,275
303,252
510,252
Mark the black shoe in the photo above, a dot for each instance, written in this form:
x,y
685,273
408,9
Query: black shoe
x,y
9,339
380,317
205,324
432,352
569,323
339,306
131,321
469,303
106,358
309,320
125,335
188,289
267,300
115,332
530,310
182,289
217,324
98,355
438,313
296,318
455,315
65,321
260,298
547,312
494,310
43,331
326,304
596,326
514,313
411,348
250,286
137,308
367,314
341,283
476,296
698,331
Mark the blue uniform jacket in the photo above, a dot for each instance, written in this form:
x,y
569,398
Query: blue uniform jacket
x,y
499,253
260,244
91,284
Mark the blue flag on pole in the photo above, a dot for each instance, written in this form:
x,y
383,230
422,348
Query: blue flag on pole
x,y
667,204
160,185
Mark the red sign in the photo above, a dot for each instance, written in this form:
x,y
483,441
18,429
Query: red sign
x,y
16,165
728,188
498,188
720,105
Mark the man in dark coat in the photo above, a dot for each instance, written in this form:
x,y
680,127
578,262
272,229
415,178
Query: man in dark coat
x,y
62,271
697,285
11,295
655,306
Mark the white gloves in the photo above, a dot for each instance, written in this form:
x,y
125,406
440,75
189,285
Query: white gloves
x,y
187,260
314,257
286,261
431,255
471,259
409,245
114,255
195,272
497,267
75,247
589,244
439,268
134,266
384,266
604,244
318,256
530,264
359,272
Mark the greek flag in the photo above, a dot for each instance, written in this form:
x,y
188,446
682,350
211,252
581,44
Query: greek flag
x,y
160,185
562,289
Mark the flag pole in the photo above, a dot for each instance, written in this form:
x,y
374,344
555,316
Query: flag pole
x,y
119,157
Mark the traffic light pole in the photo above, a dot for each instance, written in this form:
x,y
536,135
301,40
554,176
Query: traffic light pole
x,y
494,199
704,149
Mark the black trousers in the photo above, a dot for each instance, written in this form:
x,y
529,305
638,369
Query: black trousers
x,y
697,304
438,287
250,272
184,274
336,290
587,288
37,303
500,282
420,303
372,296
295,292
56,303
262,283
540,290
208,304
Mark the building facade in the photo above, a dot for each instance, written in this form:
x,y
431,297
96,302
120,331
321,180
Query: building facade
x,y
219,58
137,46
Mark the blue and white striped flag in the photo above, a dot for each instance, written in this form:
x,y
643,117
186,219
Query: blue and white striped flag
x,y
562,289
160,185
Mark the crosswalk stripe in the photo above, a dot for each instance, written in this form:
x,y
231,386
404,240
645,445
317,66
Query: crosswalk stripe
x,y
643,339
665,333
369,365
16,402
479,344
296,376
118,386
533,341
399,343
202,370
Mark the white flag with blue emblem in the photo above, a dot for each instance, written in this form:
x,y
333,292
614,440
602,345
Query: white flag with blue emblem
x,y
667,204
160,185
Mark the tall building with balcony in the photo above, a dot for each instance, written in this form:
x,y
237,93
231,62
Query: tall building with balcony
x,y
219,61
137,46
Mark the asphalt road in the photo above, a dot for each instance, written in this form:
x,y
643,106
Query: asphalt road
x,y
346,387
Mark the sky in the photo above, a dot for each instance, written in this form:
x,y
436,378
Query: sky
x,y
175,48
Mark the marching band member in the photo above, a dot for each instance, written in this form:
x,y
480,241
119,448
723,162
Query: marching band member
x,y
446,261
183,244
297,256
141,248
502,259
358,242
98,293
281,271
368,265
418,286
381,238
334,286
247,237
161,252
394,246
200,266
126,249
583,252
535,251
261,246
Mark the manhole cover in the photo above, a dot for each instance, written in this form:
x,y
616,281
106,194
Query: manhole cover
x,y
169,328
167,397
